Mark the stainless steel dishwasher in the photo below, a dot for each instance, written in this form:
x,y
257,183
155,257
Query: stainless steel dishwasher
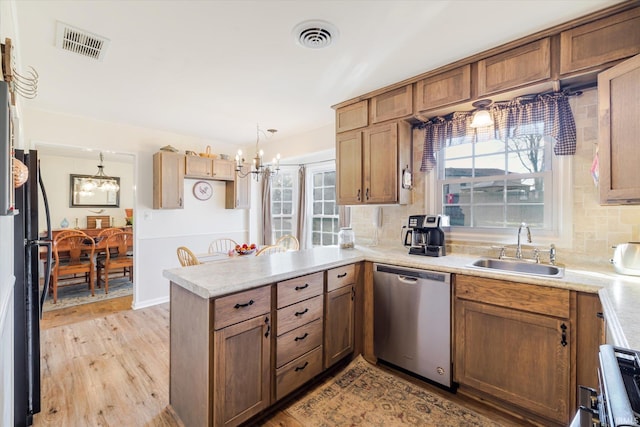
x,y
412,320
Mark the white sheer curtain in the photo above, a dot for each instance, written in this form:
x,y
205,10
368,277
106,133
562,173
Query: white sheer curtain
x,y
267,234
302,207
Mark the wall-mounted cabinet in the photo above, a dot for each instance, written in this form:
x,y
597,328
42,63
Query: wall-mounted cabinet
x,y
597,43
514,68
224,170
369,164
168,180
354,116
619,127
238,192
447,88
394,104
198,167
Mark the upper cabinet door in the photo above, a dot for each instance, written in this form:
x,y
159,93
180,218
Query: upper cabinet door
x,y
224,170
349,168
514,68
352,116
619,147
391,105
381,164
599,42
198,167
443,89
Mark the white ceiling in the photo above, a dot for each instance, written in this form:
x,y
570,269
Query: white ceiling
x,y
214,69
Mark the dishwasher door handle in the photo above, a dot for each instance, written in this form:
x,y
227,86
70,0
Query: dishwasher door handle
x,y
408,279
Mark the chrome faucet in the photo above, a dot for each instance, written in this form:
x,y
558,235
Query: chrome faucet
x,y
552,254
519,247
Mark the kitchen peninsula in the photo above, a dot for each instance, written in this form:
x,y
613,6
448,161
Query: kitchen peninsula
x,y
227,316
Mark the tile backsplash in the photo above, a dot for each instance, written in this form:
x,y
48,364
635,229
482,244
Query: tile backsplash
x,y
596,228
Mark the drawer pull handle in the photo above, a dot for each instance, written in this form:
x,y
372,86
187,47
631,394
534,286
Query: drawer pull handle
x,y
340,276
300,368
300,313
306,334
243,305
299,288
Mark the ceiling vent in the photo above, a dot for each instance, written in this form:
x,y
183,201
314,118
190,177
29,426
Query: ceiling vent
x,y
81,42
315,34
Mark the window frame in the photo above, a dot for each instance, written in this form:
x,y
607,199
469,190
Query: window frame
x,y
310,170
559,207
293,171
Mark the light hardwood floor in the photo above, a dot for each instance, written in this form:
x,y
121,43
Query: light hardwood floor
x,y
104,364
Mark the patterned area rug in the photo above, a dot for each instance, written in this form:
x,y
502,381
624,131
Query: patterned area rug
x,y
71,295
365,395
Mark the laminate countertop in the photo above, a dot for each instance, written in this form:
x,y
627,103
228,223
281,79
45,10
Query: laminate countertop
x,y
619,294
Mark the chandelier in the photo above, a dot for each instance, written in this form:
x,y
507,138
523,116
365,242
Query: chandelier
x,y
259,167
99,181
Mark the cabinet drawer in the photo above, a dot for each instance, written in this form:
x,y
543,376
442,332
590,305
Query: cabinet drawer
x,y
298,372
297,342
341,276
300,288
521,296
298,314
242,306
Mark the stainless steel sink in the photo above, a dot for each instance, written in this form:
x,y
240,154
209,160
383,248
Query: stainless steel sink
x,y
518,267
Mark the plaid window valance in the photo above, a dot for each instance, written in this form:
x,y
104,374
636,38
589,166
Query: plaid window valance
x,y
547,114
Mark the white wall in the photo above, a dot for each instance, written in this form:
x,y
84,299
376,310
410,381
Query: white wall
x,y
157,232
56,170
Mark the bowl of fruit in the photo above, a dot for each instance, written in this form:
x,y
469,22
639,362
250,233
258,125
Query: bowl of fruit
x,y
245,249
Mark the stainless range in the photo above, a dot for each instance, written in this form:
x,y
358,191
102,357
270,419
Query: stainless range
x,y
617,402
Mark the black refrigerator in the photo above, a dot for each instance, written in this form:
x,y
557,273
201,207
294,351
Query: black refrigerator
x,y
28,299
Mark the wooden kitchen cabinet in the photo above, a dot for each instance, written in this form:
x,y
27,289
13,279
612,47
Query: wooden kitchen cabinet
x,y
349,168
600,42
619,127
242,370
224,170
369,164
443,89
299,332
339,338
394,104
220,354
238,192
513,342
354,116
168,180
198,167
515,68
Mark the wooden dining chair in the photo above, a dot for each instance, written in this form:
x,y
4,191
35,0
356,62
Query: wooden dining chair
x,y
118,256
270,249
223,246
288,242
186,257
64,255
73,254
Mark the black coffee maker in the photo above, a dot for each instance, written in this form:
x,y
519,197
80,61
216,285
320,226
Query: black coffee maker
x,y
425,235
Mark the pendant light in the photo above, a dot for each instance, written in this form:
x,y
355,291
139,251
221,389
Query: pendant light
x,y
482,116
258,168
99,181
